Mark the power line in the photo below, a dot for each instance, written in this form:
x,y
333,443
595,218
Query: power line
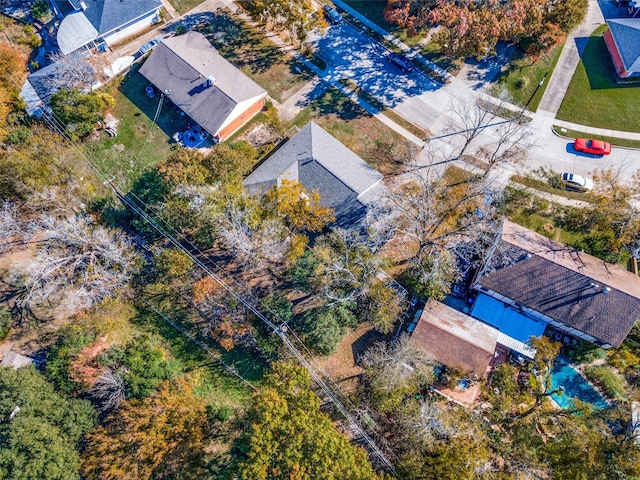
x,y
59,127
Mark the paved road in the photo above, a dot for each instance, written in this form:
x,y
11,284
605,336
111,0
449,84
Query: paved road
x,y
351,54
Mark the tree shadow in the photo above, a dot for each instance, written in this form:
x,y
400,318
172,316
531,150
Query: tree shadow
x,y
238,43
363,342
170,118
335,102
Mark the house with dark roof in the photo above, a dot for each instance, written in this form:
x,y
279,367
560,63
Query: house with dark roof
x,y
313,157
91,22
529,282
623,42
191,73
455,339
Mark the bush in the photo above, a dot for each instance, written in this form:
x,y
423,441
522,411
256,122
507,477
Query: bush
x,y
39,9
586,352
71,340
612,383
5,323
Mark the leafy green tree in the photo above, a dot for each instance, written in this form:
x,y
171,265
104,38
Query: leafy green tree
x,y
290,437
5,323
293,16
144,364
324,327
80,112
173,264
71,340
40,430
161,436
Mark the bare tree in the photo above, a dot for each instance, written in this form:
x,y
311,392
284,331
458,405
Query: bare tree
x,y
11,228
76,263
71,72
109,390
511,146
432,216
469,119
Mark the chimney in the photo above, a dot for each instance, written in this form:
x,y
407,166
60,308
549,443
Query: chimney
x,y
211,80
606,290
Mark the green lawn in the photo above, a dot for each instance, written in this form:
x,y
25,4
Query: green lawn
x,y
183,6
376,143
249,50
594,98
373,10
140,143
521,79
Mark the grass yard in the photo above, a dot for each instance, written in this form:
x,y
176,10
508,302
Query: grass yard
x,y
374,11
183,6
377,144
249,50
519,82
140,143
594,98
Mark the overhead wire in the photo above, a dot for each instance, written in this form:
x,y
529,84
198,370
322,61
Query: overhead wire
x,y
58,125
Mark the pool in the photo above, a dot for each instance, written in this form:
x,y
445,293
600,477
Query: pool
x,y
564,376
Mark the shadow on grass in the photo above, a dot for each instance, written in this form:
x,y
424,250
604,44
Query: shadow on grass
x,y
334,102
238,43
598,64
169,118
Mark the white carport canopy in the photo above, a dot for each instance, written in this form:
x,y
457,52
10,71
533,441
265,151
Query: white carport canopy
x,y
75,31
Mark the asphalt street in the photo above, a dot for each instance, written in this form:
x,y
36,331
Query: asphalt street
x,y
351,54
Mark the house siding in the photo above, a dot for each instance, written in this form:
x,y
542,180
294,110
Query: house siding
x,y
229,129
130,28
615,54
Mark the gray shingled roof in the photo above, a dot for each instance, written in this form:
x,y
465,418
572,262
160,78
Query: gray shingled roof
x,y
107,15
571,287
321,163
180,67
626,34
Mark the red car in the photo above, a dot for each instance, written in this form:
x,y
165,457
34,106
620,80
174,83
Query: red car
x,y
596,147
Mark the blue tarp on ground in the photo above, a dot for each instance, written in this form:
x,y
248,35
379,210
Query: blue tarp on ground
x,y
506,319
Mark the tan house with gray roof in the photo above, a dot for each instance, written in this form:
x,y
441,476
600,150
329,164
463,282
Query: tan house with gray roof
x,y
191,73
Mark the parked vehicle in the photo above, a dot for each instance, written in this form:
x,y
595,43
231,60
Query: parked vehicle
x,y
596,147
400,61
332,14
150,45
577,182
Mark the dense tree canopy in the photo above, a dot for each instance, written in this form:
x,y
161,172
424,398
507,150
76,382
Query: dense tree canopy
x,y
159,437
80,112
289,437
40,430
472,28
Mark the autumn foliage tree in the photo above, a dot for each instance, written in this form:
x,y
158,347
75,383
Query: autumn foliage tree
x,y
301,210
472,28
158,437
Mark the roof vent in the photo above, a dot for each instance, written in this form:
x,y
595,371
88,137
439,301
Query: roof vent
x,y
167,91
83,5
606,290
211,80
527,256
594,285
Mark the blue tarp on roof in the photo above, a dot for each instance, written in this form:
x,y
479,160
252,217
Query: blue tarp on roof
x,y
506,319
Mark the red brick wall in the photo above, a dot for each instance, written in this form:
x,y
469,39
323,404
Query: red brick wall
x,y
615,55
241,120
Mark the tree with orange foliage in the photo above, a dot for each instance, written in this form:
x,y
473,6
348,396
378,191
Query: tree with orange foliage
x,y
300,209
158,437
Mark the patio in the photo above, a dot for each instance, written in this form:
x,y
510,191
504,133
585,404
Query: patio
x,y
193,137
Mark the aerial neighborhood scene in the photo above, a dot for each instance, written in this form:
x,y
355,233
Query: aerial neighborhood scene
x,y
314,239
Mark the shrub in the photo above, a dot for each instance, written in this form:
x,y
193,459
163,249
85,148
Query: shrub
x,y
612,383
5,323
39,9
